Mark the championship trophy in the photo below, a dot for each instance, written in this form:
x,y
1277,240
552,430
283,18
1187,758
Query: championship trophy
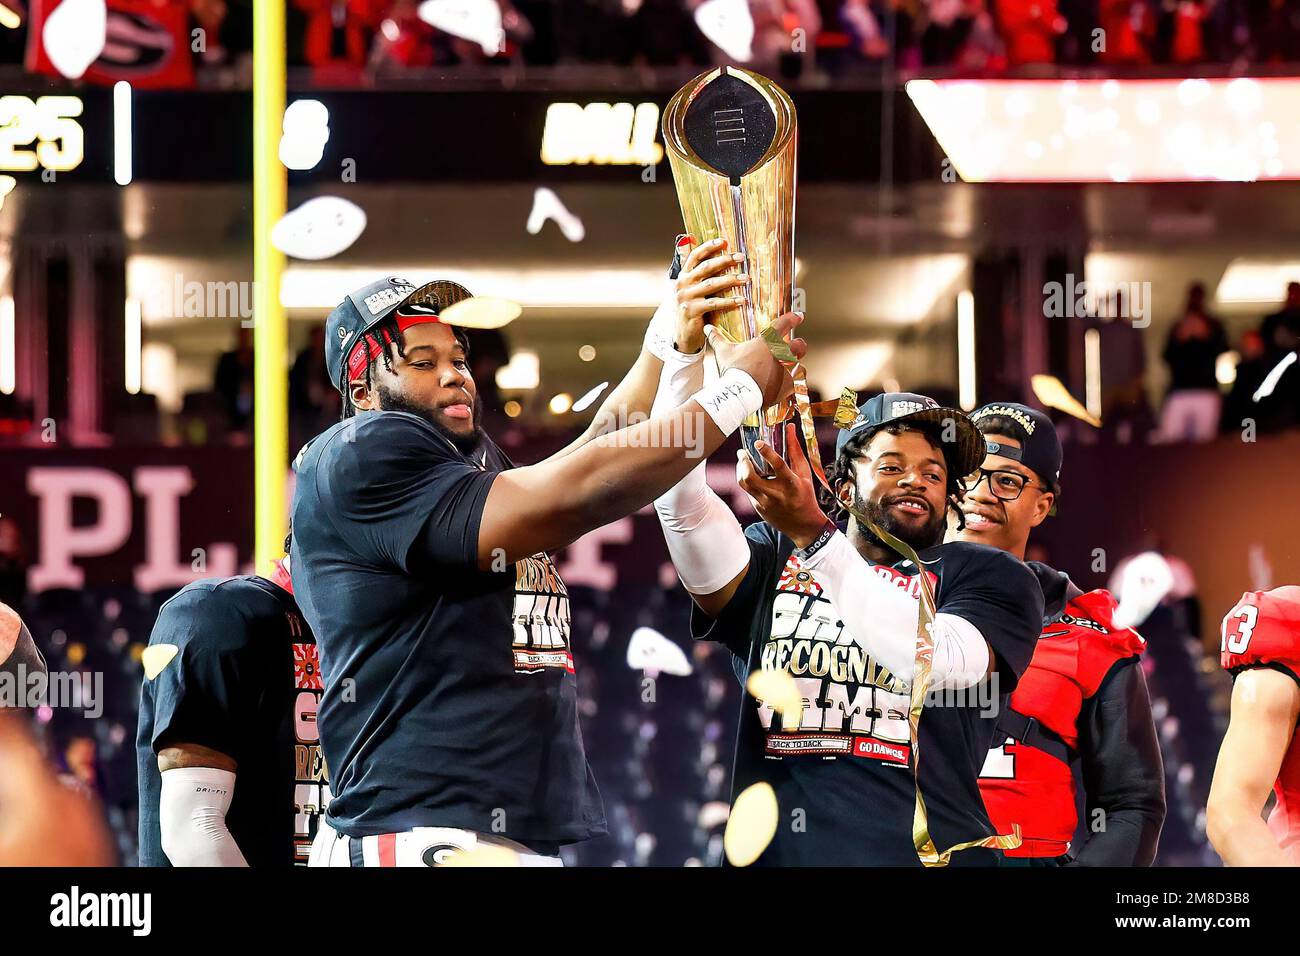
x,y
731,139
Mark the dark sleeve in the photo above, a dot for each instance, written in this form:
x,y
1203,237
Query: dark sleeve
x,y
998,593
206,694
400,493
25,655
1123,773
734,627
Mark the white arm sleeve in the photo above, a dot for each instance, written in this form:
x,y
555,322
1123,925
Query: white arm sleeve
x,y
192,815
882,618
705,541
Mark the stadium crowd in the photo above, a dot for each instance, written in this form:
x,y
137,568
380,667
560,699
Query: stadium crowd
x,y
358,41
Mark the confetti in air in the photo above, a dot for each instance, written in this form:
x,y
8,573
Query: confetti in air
x,y
481,312
583,403
1052,392
729,26
157,656
648,650
482,856
547,205
319,229
74,35
478,21
777,690
751,825
1274,376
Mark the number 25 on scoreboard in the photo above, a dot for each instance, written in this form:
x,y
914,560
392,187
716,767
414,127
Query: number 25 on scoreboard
x,y
49,122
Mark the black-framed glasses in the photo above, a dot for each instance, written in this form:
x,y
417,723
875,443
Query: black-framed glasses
x,y
1005,485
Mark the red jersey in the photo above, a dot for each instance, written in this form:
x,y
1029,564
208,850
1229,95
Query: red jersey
x,y
1263,630
1028,781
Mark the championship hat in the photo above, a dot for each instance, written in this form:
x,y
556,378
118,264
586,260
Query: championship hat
x,y
963,454
1040,448
365,308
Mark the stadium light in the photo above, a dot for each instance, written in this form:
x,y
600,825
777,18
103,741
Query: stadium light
x,y
133,376
1092,372
966,350
8,347
122,127
1233,130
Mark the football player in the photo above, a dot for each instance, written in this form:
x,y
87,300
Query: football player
x,y
1084,698
1261,751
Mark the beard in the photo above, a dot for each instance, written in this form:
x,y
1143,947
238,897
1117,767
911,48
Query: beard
x,y
919,538
466,444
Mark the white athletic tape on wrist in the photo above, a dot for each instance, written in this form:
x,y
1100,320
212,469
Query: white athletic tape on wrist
x,y
731,399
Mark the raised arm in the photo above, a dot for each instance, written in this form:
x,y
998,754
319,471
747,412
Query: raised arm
x,y
677,327
1265,706
546,506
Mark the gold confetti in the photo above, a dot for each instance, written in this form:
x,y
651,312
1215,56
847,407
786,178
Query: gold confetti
x,y
157,656
481,312
752,824
777,690
1051,391
482,855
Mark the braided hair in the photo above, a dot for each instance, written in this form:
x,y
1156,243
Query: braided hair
x,y
385,342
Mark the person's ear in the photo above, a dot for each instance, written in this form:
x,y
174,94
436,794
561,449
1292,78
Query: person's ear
x,y
1042,508
362,400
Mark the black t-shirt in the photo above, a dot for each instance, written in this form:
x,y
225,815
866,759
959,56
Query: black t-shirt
x,y
244,681
450,695
842,776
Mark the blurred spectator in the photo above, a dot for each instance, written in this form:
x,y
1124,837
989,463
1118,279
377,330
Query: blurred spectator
x,y
1252,366
1128,32
404,41
1281,329
13,563
233,381
1193,404
1030,28
1275,30
1125,414
338,33
313,400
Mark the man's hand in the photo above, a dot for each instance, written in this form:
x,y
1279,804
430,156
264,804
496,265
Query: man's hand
x,y
755,357
788,500
701,288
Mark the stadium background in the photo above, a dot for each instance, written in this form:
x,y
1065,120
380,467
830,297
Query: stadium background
x,y
126,458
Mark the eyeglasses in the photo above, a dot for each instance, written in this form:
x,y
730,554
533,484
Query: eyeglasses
x,y
1005,485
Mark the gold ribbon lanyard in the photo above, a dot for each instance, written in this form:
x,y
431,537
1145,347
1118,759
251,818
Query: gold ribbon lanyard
x,y
843,411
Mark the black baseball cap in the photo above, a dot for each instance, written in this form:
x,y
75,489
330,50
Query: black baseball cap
x,y
1040,448
963,454
365,308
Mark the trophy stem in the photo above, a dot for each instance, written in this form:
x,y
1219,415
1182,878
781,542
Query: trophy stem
x,y
755,427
